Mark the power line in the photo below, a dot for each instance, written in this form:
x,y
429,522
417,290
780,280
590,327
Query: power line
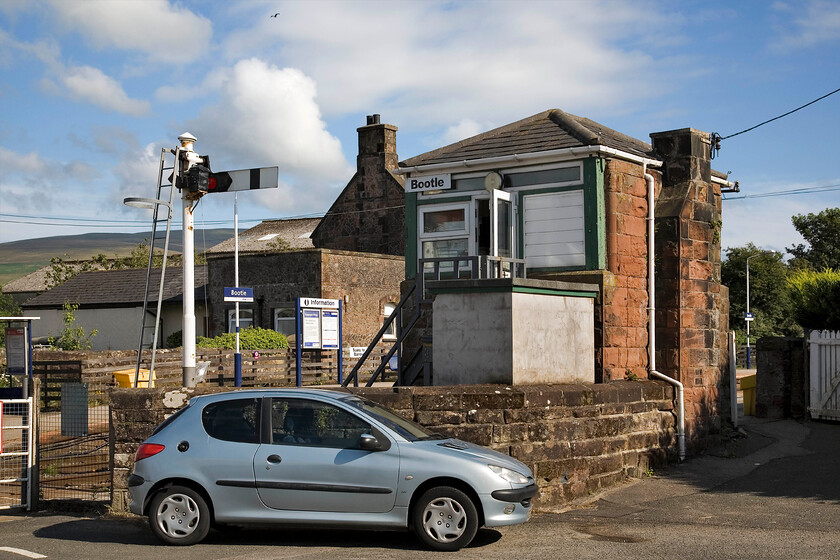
x,y
780,116
716,138
803,190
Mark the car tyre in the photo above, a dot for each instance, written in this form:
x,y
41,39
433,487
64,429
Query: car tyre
x,y
178,515
445,518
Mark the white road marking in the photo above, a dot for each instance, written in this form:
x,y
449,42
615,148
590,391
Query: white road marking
x,y
21,552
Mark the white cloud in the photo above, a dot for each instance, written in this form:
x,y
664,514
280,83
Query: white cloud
x,y
268,116
91,85
435,63
162,31
818,23
463,129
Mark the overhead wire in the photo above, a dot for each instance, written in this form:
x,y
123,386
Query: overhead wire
x,y
716,138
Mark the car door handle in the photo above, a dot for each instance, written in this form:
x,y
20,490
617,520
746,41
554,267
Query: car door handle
x,y
274,459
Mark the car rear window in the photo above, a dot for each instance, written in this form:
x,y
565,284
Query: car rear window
x,y
233,420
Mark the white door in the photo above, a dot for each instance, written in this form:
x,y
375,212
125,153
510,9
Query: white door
x,y
501,224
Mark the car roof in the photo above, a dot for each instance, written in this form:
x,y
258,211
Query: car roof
x,y
336,395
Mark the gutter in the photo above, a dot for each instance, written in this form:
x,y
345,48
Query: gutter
x,y
652,318
531,157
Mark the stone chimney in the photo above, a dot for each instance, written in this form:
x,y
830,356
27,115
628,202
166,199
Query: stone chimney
x,y
377,145
369,215
691,304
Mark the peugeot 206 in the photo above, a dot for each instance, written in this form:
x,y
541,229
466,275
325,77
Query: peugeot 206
x,y
319,458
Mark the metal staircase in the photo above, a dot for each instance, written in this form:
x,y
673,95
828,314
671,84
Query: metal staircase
x,y
153,293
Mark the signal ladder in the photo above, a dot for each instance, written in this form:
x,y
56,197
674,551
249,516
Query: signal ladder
x,y
153,292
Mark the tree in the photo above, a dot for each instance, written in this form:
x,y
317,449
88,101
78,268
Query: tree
x,y
8,308
769,297
73,337
822,234
812,294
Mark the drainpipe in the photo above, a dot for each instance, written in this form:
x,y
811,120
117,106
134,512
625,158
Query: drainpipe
x,y
652,318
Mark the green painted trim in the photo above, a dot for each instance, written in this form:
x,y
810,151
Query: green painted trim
x,y
452,199
410,235
594,214
513,289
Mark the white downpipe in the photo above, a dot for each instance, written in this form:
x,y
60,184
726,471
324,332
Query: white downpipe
x,y
652,318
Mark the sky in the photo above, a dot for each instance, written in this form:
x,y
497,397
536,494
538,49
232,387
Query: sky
x,y
91,91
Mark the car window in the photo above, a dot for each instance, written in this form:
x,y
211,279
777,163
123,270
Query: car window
x,y
412,431
234,420
313,423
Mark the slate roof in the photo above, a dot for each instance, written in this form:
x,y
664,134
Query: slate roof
x,y
266,236
117,288
550,130
37,281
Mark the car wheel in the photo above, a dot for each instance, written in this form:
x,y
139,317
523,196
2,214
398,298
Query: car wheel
x,y
179,515
445,518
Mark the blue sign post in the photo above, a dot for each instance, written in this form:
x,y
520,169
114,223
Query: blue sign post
x,y
238,295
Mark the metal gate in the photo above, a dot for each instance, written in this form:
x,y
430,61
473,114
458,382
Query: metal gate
x,y
73,447
17,453
825,374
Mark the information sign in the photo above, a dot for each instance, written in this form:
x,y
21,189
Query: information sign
x,y
16,351
329,329
311,329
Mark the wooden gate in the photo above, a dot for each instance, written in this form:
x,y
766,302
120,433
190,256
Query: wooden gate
x,y
825,374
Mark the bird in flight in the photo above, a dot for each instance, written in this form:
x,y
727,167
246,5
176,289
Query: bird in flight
x,y
275,15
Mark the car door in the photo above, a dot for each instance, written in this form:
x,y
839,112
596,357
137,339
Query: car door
x,y
314,461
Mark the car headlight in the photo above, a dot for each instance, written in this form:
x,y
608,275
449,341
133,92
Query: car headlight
x,y
509,475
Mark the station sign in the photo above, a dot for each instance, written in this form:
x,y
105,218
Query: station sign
x,y
245,295
748,317
429,183
318,303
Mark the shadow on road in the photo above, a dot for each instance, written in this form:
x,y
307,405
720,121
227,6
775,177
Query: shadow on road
x,y
781,458
136,532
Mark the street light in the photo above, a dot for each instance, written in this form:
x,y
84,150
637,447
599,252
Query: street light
x,y
748,318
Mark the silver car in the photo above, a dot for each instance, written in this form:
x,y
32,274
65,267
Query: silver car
x,y
319,458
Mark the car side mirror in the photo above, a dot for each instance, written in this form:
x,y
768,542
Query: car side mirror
x,y
369,443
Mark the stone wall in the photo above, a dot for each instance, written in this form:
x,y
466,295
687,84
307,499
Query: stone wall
x,y
625,295
365,281
578,439
782,380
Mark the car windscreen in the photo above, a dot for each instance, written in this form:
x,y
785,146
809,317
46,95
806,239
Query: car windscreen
x,y
412,431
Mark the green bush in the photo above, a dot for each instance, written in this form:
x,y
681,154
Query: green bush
x,y
175,339
815,296
252,338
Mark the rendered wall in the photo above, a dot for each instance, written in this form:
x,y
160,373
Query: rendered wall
x,y
500,332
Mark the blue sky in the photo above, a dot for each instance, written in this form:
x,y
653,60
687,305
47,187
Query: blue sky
x,y
90,91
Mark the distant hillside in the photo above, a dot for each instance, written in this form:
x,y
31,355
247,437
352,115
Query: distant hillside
x,y
18,258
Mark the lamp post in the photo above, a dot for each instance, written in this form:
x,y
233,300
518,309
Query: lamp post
x,y
747,317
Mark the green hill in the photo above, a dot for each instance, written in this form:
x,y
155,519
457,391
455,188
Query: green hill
x,y
19,258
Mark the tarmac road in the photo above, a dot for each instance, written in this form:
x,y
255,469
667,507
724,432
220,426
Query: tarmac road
x,y
774,494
